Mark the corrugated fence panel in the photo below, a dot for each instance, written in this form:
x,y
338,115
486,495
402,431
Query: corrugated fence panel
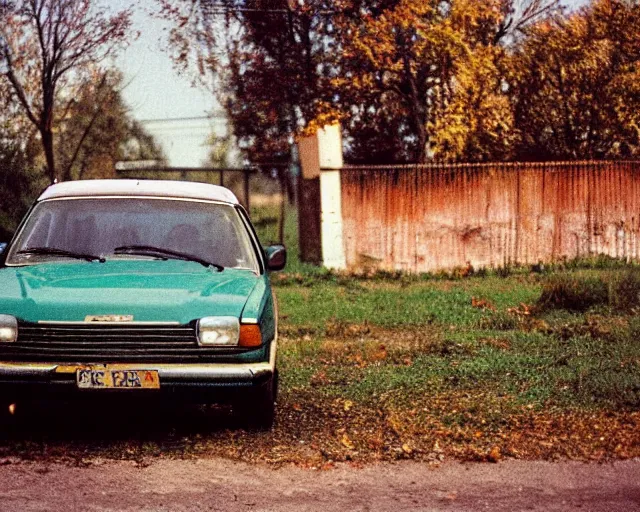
x,y
436,217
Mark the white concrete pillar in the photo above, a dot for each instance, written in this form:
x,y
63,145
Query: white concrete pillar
x,y
330,155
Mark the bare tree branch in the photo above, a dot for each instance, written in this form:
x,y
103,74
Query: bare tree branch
x,y
518,14
58,37
85,133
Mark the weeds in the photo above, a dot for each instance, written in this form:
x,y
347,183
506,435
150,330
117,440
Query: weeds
x,y
618,290
574,293
625,290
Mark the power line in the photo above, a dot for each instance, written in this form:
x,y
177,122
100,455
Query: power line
x,y
225,7
225,10
179,119
221,8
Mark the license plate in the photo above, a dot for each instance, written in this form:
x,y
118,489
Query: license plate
x,y
110,378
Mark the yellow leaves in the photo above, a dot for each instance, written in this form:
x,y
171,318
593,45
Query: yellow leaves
x,y
416,32
478,120
347,442
579,62
324,118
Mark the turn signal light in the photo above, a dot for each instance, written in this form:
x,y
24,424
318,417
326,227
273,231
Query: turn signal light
x,y
250,336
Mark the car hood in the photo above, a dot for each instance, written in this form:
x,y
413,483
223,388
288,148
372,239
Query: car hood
x,y
150,290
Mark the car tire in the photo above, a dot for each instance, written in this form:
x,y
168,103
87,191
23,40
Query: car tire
x,y
258,408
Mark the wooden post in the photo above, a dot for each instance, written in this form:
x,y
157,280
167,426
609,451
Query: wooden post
x,y
330,151
320,209
309,211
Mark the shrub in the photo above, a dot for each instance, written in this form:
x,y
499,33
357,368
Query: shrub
x,y
625,290
574,293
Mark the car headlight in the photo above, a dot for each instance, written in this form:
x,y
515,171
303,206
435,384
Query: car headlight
x,y
218,331
8,329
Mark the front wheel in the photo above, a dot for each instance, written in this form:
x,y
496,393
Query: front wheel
x,y
257,409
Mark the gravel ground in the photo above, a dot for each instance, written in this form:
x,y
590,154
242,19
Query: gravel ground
x,y
218,484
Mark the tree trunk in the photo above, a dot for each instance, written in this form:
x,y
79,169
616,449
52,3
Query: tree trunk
x,y
47,145
421,155
417,109
283,207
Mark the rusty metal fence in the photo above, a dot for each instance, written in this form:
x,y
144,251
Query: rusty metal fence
x,y
434,217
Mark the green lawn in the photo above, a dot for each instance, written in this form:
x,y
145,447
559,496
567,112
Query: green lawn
x,y
478,356
541,359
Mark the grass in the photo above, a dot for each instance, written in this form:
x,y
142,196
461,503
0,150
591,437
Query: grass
x,y
265,220
588,360
565,338
479,351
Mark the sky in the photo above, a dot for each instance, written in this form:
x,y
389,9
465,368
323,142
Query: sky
x,y
173,110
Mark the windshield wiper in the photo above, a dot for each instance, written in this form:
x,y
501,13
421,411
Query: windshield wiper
x,y
53,251
145,250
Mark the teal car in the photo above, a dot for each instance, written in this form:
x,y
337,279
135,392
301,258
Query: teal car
x,y
140,288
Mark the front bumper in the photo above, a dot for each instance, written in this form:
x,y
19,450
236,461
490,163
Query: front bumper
x,y
198,382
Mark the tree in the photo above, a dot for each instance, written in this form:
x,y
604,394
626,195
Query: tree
x,y
477,122
424,73
51,45
576,85
518,15
19,178
97,132
18,182
404,58
220,151
386,68
138,144
98,117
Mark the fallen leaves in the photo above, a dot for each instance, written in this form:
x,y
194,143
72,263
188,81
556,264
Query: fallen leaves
x,y
347,442
482,304
319,378
523,310
324,421
494,455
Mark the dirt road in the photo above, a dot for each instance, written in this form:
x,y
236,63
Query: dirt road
x,y
216,484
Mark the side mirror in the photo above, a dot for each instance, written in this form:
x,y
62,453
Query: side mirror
x,y
276,257
3,246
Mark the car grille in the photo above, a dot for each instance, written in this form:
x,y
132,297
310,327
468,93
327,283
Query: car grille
x,y
109,343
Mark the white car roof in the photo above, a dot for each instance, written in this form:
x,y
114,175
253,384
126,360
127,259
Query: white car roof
x,y
151,188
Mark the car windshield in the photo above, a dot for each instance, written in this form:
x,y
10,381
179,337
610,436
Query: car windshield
x,y
211,232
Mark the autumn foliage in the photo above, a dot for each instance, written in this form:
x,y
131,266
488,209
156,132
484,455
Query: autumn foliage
x,y
413,80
